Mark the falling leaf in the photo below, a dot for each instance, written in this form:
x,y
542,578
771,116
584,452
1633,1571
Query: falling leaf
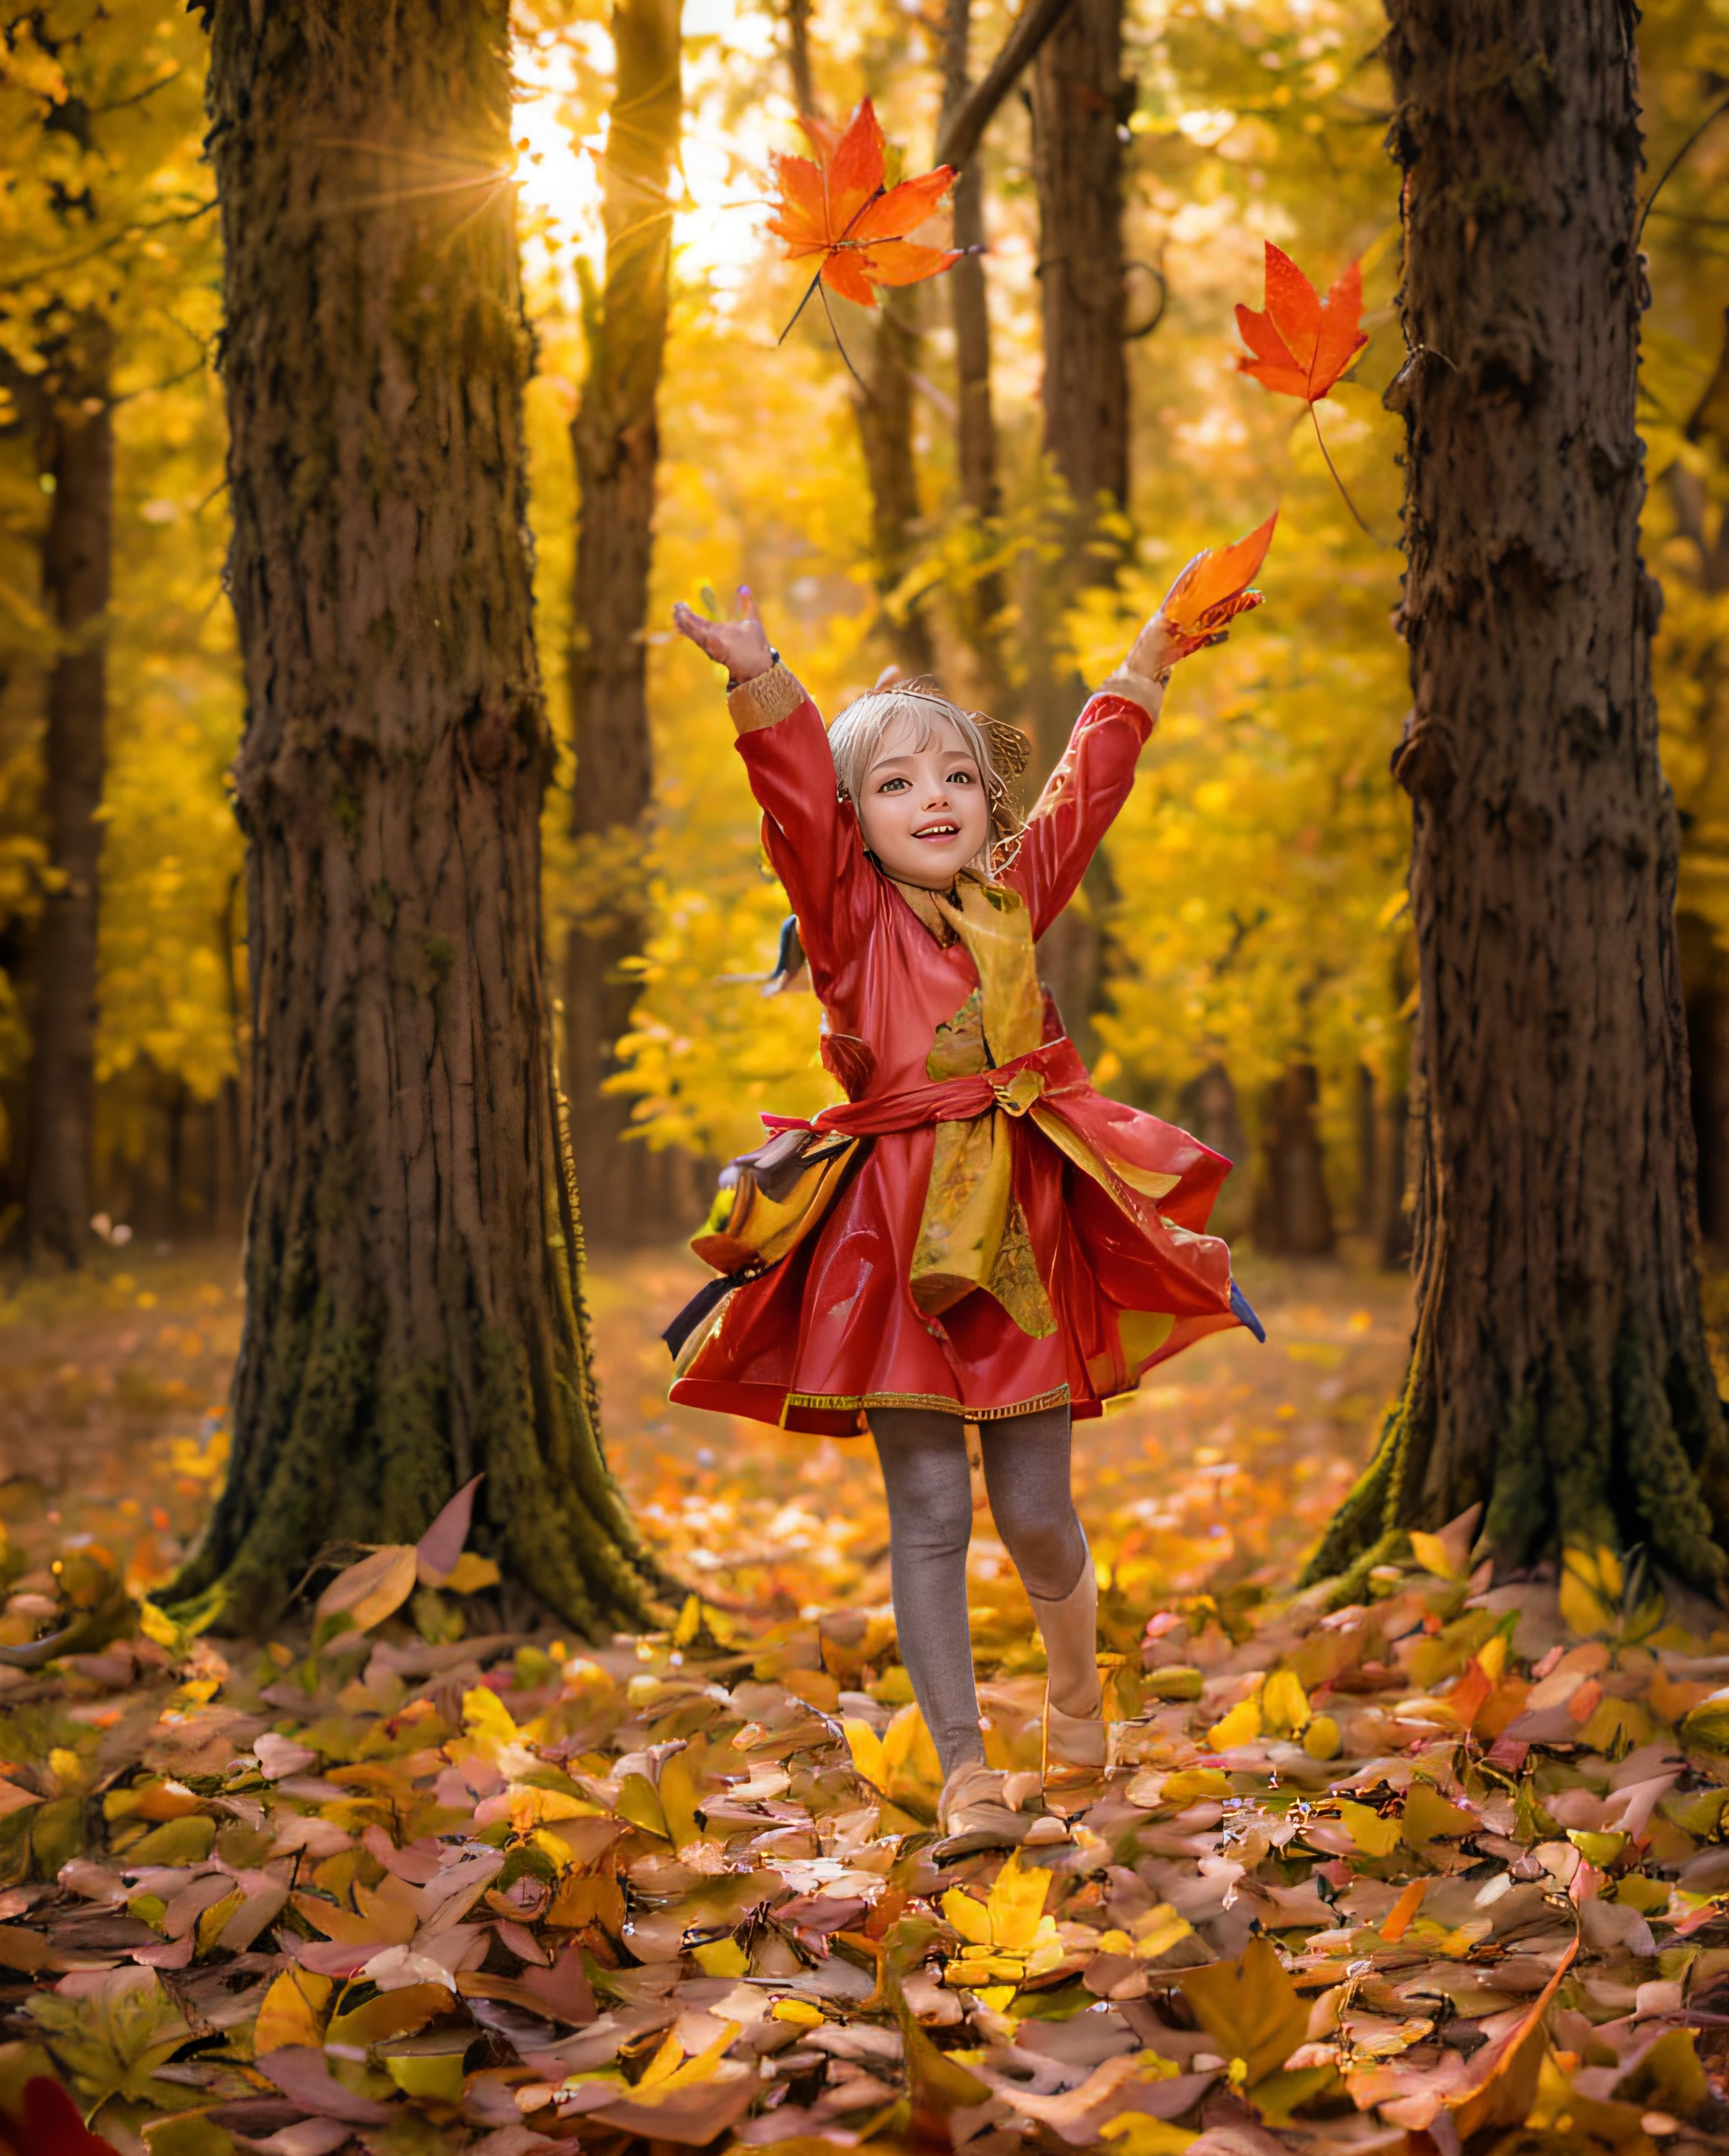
x,y
1301,343
375,1588
437,1551
1213,587
837,213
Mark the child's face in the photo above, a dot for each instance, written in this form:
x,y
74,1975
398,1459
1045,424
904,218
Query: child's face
x,y
924,812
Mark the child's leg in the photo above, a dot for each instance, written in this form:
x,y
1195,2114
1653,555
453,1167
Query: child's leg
x,y
924,1464
1026,1471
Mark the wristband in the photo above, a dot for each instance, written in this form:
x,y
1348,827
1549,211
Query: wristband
x,y
732,680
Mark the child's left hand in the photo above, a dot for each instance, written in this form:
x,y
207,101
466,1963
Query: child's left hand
x,y
740,646
1159,646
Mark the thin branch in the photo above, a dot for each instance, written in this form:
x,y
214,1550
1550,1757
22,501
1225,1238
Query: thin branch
x,y
1716,113
102,246
963,133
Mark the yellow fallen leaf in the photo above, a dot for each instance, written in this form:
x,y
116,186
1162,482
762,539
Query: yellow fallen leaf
x,y
680,1795
486,1721
1584,1608
1321,1739
970,1918
1249,2007
1283,1705
1158,1931
1016,1904
663,2063
292,2014
1241,1726
798,2011
1374,1836
1432,1554
866,1747
471,1573
1428,1816
722,1957
1137,2134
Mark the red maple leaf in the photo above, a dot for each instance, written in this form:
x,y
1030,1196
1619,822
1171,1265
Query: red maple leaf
x,y
49,2124
1302,343
838,209
1214,588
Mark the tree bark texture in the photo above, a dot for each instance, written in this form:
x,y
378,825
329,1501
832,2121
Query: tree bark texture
x,y
413,1263
1558,1370
883,407
77,552
982,604
1293,1212
626,1189
1079,101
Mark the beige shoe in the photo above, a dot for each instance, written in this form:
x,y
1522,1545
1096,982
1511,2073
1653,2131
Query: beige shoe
x,y
1074,1699
973,1802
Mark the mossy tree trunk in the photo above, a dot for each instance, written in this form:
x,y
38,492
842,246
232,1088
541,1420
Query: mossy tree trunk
x,y
413,1263
60,1084
629,1194
1558,1371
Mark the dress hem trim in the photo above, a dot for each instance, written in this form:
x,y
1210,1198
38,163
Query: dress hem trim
x,y
1059,1396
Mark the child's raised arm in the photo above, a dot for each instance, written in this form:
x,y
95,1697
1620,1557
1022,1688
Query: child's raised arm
x,y
812,837
1083,794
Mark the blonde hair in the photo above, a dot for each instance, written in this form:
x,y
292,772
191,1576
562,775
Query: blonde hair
x,y
856,737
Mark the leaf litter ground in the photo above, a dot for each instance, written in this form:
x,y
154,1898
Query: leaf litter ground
x,y
1443,1869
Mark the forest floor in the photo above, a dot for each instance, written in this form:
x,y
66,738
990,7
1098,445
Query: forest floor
x,y
1446,1869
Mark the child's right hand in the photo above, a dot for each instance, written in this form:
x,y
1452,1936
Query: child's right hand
x,y
740,646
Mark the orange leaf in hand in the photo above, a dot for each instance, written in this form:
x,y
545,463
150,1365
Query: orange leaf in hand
x,y
837,211
1302,343
1214,588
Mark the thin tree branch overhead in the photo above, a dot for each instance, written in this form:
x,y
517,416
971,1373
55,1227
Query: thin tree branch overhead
x,y
961,136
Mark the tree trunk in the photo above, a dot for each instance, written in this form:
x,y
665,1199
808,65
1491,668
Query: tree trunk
x,y
1207,1107
1078,105
61,1082
981,605
1705,983
1293,1212
883,407
617,442
1079,101
413,1267
1558,1371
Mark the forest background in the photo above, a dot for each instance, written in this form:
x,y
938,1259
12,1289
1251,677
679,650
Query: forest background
x,y
1254,923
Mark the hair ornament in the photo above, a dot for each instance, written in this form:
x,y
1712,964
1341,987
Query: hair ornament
x,y
1011,750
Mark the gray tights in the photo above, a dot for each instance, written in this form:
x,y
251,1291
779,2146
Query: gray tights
x,y
1026,1473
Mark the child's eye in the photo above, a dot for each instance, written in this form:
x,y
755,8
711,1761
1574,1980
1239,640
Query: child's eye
x,y
960,778
892,785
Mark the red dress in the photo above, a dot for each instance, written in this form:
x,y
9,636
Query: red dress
x,y
1109,1204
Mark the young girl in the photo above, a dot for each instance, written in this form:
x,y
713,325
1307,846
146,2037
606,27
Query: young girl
x,y
976,1235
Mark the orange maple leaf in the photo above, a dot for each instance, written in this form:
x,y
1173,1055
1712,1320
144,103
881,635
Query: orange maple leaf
x,y
1214,588
1302,343
838,209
